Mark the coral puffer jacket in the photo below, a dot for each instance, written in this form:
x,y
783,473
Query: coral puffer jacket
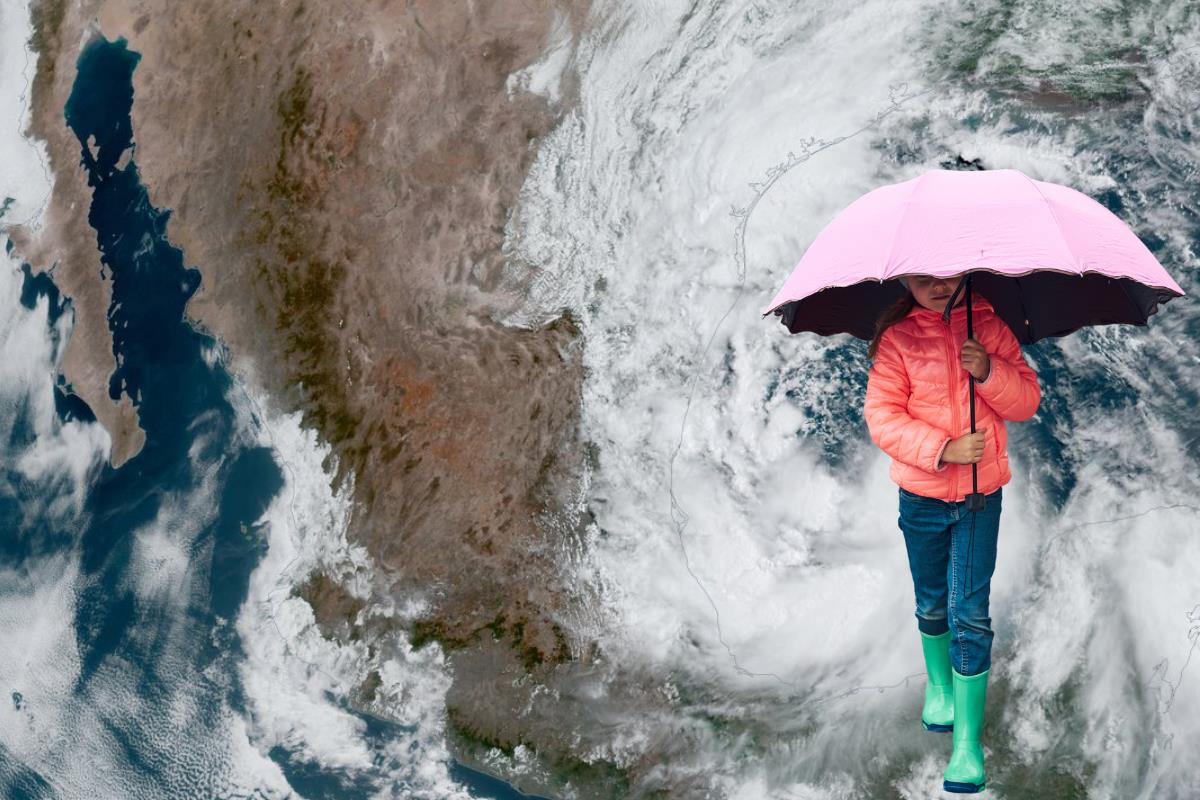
x,y
917,398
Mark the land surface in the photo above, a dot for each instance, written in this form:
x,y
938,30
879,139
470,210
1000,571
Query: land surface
x,y
341,174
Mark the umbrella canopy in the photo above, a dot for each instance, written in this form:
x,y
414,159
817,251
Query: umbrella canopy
x,y
1049,258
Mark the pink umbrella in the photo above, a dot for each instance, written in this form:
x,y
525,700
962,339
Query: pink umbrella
x,y
1048,258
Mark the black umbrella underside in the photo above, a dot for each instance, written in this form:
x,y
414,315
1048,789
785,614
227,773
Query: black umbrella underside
x,y
1035,306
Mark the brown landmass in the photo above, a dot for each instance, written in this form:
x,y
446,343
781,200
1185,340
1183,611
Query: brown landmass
x,y
341,175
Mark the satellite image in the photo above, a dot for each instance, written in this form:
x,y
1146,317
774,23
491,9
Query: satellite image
x,y
386,410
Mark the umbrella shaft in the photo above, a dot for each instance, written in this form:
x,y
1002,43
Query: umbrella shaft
x,y
971,387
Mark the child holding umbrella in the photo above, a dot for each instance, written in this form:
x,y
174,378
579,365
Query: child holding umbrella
x,y
1046,260
917,411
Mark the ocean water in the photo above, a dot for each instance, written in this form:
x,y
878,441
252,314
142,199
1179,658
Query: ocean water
x,y
150,644
745,550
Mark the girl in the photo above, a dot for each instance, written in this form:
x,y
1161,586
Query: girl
x,y
917,410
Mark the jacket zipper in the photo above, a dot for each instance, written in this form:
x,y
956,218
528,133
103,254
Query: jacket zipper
x,y
953,400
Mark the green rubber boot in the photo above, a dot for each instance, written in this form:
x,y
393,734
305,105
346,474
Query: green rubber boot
x,y
964,773
938,713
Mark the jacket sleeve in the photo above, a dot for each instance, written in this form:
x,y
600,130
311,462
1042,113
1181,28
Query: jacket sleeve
x,y
903,437
1011,386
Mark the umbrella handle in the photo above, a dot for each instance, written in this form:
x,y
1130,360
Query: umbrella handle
x,y
975,500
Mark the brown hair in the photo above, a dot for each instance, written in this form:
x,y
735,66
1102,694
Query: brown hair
x,y
890,316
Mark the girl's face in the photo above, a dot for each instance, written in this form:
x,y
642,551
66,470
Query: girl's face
x,y
933,292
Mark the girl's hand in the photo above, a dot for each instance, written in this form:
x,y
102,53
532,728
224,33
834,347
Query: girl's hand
x,y
966,449
975,359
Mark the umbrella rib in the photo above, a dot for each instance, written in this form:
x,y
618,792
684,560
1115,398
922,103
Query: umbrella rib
x,y
1132,302
1024,311
903,216
896,233
1053,216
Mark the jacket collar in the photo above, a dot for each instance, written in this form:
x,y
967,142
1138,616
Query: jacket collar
x,y
979,304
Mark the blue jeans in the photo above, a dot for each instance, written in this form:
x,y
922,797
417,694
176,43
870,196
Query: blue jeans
x,y
952,558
